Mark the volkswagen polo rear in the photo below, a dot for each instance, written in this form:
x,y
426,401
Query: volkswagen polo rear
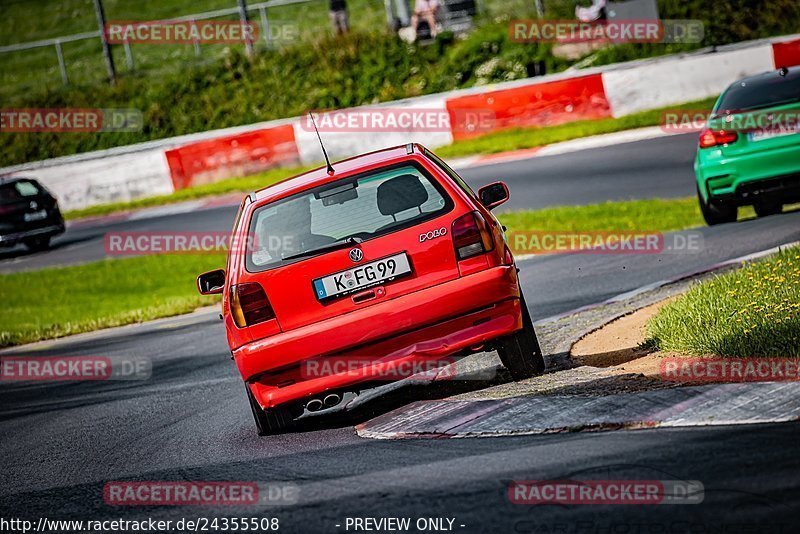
x,y
387,266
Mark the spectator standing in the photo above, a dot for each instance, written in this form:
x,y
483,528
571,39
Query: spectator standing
x,y
339,16
425,10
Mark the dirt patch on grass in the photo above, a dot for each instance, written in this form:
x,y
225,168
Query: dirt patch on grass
x,y
619,341
620,348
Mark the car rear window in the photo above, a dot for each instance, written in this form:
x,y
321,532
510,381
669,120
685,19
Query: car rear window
x,y
761,93
364,206
13,191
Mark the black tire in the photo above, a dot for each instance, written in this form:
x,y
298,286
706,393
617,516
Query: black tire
x,y
765,208
717,212
272,421
38,244
520,352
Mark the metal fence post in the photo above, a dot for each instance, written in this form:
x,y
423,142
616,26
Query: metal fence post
x,y
539,8
101,23
196,42
128,55
248,43
265,25
61,65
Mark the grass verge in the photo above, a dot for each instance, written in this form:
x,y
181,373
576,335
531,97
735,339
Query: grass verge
x,y
58,302
655,215
68,300
754,311
489,144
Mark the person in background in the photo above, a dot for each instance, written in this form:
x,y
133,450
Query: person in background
x,y
425,10
339,16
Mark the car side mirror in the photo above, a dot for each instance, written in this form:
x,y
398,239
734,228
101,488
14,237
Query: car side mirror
x,y
493,195
211,283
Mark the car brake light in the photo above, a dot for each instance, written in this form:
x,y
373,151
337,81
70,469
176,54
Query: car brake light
x,y
471,236
249,305
709,138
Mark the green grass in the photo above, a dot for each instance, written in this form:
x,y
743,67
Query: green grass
x,y
754,311
637,215
58,302
490,143
520,138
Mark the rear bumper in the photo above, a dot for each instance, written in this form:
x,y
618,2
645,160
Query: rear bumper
x,y
10,239
745,178
429,325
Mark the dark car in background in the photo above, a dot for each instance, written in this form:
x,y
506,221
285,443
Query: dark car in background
x,y
29,214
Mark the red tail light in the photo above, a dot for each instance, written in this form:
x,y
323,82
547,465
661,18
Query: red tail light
x,y
471,236
709,138
249,305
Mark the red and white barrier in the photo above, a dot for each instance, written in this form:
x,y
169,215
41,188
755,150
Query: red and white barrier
x,y
160,167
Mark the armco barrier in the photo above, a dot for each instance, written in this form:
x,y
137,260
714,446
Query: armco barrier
x,y
79,182
236,155
158,167
693,77
536,104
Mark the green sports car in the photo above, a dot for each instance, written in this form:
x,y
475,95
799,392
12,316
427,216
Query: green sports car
x,y
749,151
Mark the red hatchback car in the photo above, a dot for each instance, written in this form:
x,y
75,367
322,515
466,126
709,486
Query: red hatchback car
x,y
389,260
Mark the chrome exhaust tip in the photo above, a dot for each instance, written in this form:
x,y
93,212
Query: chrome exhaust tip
x,y
332,400
314,405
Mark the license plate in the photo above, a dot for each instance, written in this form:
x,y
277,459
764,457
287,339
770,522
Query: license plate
x,y
35,216
760,135
362,277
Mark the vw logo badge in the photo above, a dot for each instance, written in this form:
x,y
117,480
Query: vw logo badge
x,y
356,255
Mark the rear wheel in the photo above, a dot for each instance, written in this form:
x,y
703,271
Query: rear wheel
x,y
40,243
270,421
520,352
765,208
717,212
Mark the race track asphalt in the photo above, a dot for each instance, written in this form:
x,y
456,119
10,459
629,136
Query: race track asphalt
x,y
62,442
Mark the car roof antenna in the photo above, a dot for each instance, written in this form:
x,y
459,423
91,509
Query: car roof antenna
x,y
327,159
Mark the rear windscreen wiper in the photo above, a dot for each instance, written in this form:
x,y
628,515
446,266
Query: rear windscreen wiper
x,y
325,248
